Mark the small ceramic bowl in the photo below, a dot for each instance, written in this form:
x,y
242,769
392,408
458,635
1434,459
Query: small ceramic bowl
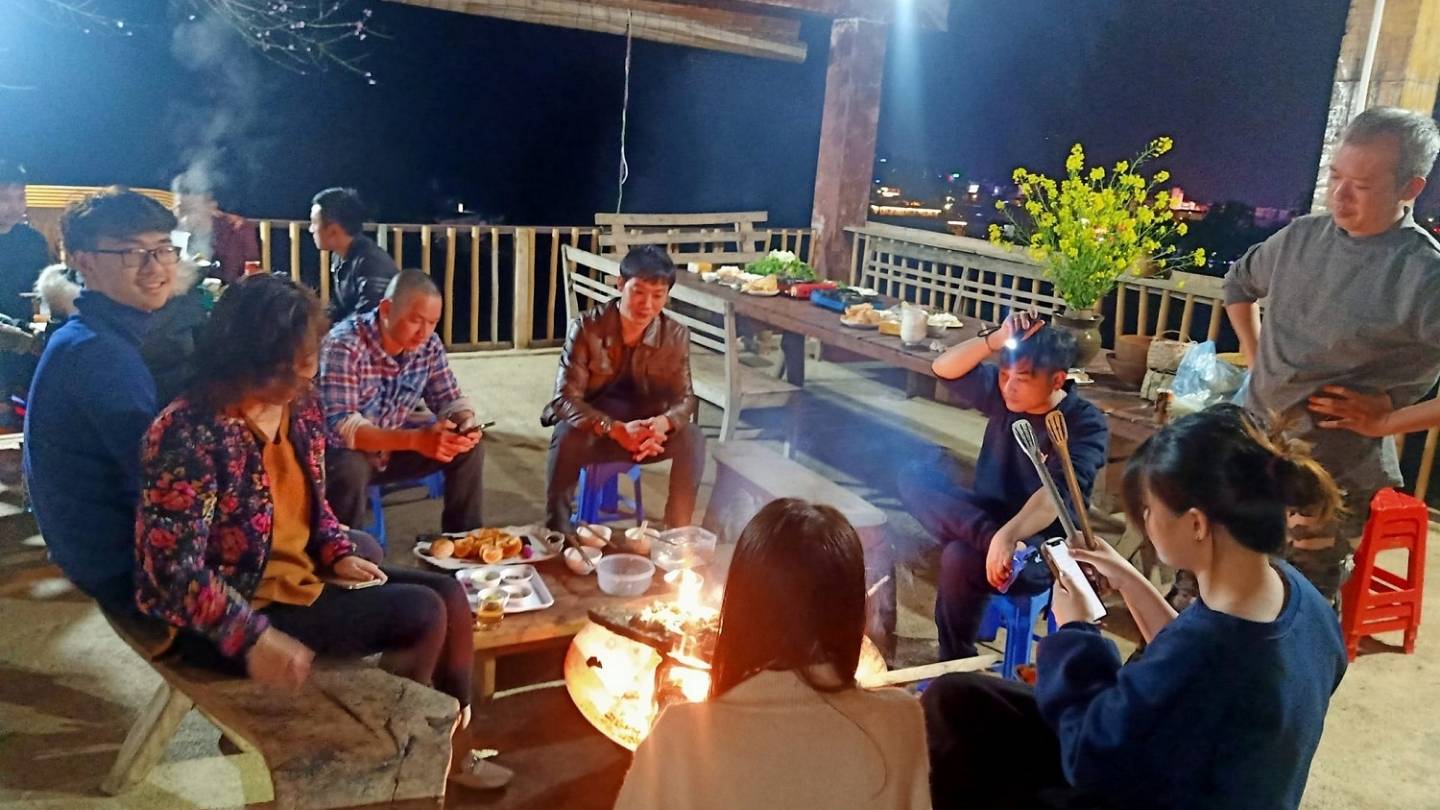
x,y
489,577
517,591
638,540
582,566
517,574
594,536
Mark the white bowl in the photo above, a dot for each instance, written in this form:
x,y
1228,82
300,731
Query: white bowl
x,y
516,575
594,536
625,574
638,541
580,566
517,591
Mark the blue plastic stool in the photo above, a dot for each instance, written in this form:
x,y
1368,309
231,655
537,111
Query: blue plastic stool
x,y
434,484
1017,614
599,498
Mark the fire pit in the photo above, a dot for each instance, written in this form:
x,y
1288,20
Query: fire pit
x,y
624,665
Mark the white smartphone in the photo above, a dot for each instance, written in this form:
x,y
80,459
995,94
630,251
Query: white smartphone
x,y
1067,574
352,585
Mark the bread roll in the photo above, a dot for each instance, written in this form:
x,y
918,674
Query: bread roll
x,y
442,549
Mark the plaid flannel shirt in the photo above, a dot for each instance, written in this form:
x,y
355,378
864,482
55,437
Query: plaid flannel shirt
x,y
361,384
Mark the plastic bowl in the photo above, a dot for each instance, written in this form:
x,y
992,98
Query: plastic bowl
x,y
625,574
593,535
580,566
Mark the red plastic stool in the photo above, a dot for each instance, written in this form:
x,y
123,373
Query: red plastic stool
x,y
1375,600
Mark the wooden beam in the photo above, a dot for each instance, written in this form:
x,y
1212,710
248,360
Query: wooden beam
x,y
769,26
653,21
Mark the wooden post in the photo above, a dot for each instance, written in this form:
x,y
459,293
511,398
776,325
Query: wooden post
x,y
266,244
523,316
424,250
295,252
847,139
325,278
494,287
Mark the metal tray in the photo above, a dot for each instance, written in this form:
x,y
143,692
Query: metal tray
x,y
539,599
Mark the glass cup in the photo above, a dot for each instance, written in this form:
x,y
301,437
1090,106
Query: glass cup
x,y
491,610
913,322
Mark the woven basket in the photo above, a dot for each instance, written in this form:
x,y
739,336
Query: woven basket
x,y
1165,353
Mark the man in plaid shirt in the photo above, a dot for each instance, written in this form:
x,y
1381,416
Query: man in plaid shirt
x,y
375,369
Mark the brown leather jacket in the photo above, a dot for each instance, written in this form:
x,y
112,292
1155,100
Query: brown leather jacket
x,y
590,365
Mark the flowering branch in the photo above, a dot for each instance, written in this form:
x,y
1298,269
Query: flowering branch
x,y
1092,227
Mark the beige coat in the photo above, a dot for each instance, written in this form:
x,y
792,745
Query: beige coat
x,y
773,742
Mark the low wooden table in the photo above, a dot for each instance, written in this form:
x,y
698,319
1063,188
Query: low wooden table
x,y
574,597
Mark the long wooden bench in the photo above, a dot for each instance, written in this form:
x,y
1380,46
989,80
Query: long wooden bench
x,y
716,372
749,475
351,736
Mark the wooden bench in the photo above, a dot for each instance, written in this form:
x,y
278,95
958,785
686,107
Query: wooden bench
x,y
351,736
749,475
716,372
719,238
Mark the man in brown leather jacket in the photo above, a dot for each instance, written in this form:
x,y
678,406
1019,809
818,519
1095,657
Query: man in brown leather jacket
x,y
623,392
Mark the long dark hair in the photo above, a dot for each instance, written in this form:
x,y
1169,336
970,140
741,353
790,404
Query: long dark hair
x,y
262,325
1223,463
795,597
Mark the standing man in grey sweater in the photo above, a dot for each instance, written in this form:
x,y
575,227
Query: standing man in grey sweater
x,y
1352,301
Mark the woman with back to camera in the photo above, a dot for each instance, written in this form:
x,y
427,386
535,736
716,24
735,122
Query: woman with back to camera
x,y
1227,704
786,724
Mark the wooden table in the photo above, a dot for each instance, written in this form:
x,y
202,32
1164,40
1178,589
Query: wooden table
x,y
1131,417
574,597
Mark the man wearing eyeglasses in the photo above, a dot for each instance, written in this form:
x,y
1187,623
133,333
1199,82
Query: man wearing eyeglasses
x,y
93,398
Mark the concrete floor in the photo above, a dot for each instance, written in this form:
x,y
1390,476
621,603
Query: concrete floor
x,y
69,689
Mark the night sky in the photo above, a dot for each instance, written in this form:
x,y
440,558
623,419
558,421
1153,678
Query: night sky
x,y
521,122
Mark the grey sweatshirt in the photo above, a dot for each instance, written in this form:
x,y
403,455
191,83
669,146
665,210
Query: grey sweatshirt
x,y
1362,313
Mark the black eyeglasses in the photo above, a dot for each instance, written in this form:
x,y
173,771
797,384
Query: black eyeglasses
x,y
133,258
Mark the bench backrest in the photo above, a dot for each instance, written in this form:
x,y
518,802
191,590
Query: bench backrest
x,y
966,277
592,280
718,238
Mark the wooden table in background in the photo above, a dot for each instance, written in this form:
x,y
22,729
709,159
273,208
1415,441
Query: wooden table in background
x,y
1131,417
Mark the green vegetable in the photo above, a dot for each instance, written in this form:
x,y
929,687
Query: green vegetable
x,y
782,263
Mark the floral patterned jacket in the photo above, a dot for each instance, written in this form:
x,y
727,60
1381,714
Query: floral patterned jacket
x,y
204,527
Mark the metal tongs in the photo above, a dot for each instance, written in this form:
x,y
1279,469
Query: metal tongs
x,y
1025,437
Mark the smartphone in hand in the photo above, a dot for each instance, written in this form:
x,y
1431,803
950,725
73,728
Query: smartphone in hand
x,y
355,585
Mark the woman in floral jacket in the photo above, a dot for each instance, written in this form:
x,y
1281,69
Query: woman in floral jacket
x,y
237,548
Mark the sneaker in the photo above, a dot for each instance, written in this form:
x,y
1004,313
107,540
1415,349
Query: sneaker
x,y
479,773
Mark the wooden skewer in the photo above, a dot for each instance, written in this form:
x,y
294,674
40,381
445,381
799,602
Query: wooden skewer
x,y
897,677
1060,436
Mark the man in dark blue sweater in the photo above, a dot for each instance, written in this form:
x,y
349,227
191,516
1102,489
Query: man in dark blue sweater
x,y
93,398
981,527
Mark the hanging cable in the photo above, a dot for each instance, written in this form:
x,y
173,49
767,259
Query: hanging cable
x,y
625,114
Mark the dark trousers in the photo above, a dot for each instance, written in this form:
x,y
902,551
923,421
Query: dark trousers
x,y
422,617
349,473
989,747
932,492
572,449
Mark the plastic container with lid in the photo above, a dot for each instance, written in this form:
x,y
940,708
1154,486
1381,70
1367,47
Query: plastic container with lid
x,y
685,547
624,574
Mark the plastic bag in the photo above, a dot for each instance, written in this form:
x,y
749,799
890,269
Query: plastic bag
x,y
1203,379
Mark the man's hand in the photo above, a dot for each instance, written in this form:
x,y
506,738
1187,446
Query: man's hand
x,y
279,660
1000,558
355,568
440,442
1019,326
462,420
1347,409
631,435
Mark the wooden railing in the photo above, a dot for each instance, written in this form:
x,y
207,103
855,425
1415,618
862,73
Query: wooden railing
x,y
975,279
502,284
